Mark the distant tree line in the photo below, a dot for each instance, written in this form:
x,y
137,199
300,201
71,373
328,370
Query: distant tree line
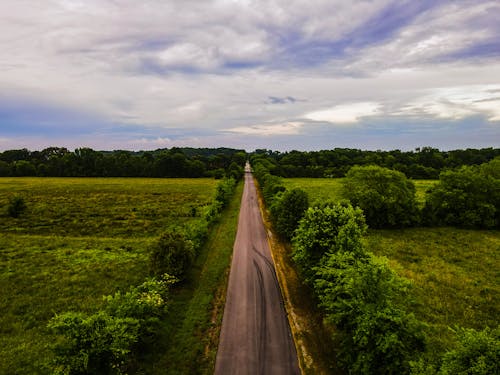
x,y
422,163
86,162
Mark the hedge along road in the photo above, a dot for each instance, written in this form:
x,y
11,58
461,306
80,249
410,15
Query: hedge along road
x,y
255,335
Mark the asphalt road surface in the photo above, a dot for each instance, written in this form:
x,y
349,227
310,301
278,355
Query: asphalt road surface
x,y
255,336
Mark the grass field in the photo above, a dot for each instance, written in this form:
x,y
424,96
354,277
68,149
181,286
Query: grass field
x,y
454,271
320,189
454,274
79,239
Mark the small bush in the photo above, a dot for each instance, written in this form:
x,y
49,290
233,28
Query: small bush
x,y
478,353
108,341
98,344
16,206
172,254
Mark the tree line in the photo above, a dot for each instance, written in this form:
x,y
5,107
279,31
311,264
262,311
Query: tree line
x,y
86,162
422,163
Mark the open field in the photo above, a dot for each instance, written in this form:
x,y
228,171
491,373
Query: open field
x,y
320,189
105,207
454,271
78,240
454,274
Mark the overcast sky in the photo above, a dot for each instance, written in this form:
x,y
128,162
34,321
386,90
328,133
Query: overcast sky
x,y
278,74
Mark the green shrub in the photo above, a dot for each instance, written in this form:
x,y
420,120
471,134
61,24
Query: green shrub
x,y
98,344
224,192
466,197
108,341
287,210
327,228
361,297
16,206
271,186
147,303
386,197
478,353
172,254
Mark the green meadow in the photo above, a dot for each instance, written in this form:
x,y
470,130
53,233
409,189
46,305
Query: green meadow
x,y
77,240
320,189
454,272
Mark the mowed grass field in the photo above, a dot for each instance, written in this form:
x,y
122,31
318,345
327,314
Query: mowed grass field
x,y
79,239
454,271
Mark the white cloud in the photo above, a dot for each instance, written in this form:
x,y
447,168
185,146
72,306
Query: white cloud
x,y
288,128
345,113
129,62
457,103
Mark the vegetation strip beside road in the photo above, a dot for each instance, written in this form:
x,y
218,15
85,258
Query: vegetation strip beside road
x,y
302,317
195,313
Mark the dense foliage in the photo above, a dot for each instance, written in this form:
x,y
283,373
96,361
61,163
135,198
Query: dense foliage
x,y
108,341
478,353
386,197
287,210
325,229
468,197
172,254
360,295
85,162
423,163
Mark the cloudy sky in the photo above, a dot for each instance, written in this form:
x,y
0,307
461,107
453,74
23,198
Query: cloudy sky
x,y
278,74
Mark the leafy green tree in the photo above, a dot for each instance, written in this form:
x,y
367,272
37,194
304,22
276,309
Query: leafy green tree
x,y
386,197
287,211
24,168
478,353
235,171
361,297
466,197
172,254
327,228
492,168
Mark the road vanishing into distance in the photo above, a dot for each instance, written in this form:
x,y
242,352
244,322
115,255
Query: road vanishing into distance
x,y
255,336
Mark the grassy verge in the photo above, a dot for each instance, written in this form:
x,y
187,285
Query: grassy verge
x,y
191,332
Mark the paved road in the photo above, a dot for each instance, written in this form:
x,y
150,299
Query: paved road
x,y
255,337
